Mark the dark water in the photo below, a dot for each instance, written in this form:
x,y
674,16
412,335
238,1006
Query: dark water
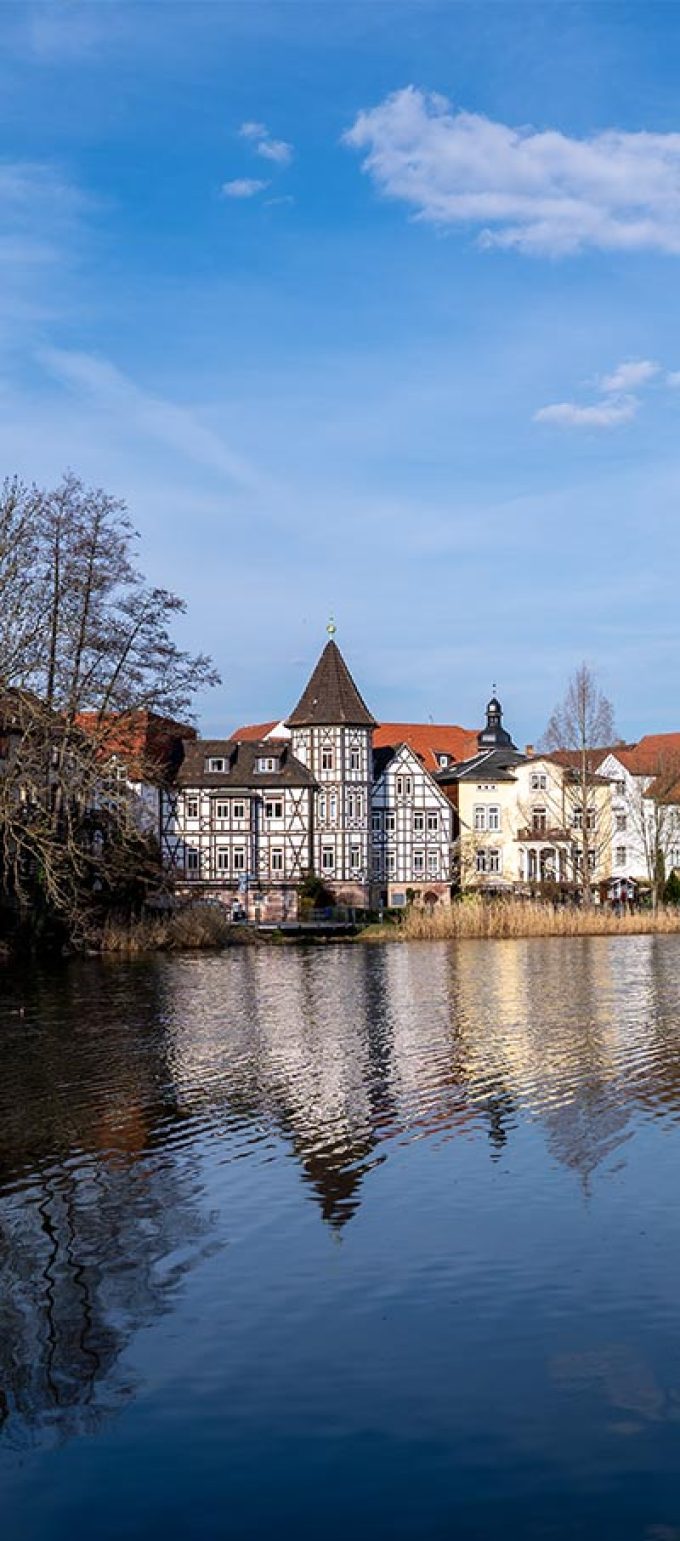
x,y
370,1242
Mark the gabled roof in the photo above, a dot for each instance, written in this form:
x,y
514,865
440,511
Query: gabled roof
x,y
239,765
253,730
331,696
594,757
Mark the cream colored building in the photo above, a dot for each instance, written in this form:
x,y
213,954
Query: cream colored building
x,y
519,819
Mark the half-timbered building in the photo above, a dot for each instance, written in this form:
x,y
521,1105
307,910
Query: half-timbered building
x,y
237,824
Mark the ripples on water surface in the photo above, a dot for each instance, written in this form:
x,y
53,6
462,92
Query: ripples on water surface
x,y
353,1241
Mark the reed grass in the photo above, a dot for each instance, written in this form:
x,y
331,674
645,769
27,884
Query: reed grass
x,y
474,916
199,926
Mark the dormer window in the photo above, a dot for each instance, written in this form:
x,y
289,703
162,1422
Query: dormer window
x,y
266,762
443,760
215,764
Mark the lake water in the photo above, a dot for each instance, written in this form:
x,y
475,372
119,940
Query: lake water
x,y
352,1241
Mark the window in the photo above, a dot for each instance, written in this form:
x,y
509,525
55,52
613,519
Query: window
x,y
326,759
334,807
221,810
433,862
592,860
222,858
493,861
266,762
620,788
192,861
376,821
592,817
539,781
322,807
192,807
390,823
276,859
354,760
577,819
674,857
404,786
355,857
480,861
480,816
351,805
239,859
215,764
390,862
621,821
418,861
418,823
620,856
433,824
273,809
376,862
327,858
443,760
494,816
239,810
539,820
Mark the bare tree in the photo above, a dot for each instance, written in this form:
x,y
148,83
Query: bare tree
x,y
580,724
85,645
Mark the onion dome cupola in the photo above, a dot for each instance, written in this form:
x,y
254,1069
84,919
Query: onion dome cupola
x,y
494,735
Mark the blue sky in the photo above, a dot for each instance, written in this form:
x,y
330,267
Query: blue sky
x,y
386,383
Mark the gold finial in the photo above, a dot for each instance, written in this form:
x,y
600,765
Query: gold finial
x,y
331,627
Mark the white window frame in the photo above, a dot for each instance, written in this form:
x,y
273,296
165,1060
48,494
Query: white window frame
x,y
239,858
222,855
276,858
327,759
235,811
270,807
192,807
479,817
494,817
328,858
419,823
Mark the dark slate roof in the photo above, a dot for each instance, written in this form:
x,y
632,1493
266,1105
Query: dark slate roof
x,y
488,765
239,773
331,697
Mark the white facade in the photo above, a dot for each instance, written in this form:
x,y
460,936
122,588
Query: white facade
x,y
411,829
638,826
340,760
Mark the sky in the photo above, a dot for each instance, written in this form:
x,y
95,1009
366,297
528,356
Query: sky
x,y
366,309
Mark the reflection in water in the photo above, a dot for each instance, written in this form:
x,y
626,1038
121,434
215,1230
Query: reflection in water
x,y
123,1083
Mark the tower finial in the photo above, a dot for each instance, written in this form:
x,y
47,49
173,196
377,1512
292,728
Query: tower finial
x,y
331,627
494,689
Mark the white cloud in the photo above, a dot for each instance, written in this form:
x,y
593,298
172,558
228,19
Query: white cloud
x,y
252,130
673,379
277,150
629,375
604,414
538,191
242,187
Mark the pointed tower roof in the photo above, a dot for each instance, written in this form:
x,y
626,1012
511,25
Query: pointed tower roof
x,y
331,696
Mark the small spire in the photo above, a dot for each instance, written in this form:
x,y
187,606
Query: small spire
x,y
331,627
494,689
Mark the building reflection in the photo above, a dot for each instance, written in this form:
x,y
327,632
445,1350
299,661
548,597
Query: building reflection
x,y
120,1082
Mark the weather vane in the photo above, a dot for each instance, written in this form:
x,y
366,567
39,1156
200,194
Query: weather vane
x,y
331,627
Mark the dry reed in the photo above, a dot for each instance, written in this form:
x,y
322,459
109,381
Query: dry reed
x,y
200,926
478,917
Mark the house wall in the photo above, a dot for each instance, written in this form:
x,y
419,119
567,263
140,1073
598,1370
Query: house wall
x,y
411,831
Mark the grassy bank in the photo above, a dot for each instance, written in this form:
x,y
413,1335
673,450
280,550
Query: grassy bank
x,y
476,917
196,927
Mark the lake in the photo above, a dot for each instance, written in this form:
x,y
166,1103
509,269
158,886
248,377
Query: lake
x,y
372,1241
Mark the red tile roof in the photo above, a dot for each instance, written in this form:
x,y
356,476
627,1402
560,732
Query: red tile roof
x,y
253,731
427,740
147,743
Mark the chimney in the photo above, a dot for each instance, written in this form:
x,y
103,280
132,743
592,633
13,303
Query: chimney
x,y
529,750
